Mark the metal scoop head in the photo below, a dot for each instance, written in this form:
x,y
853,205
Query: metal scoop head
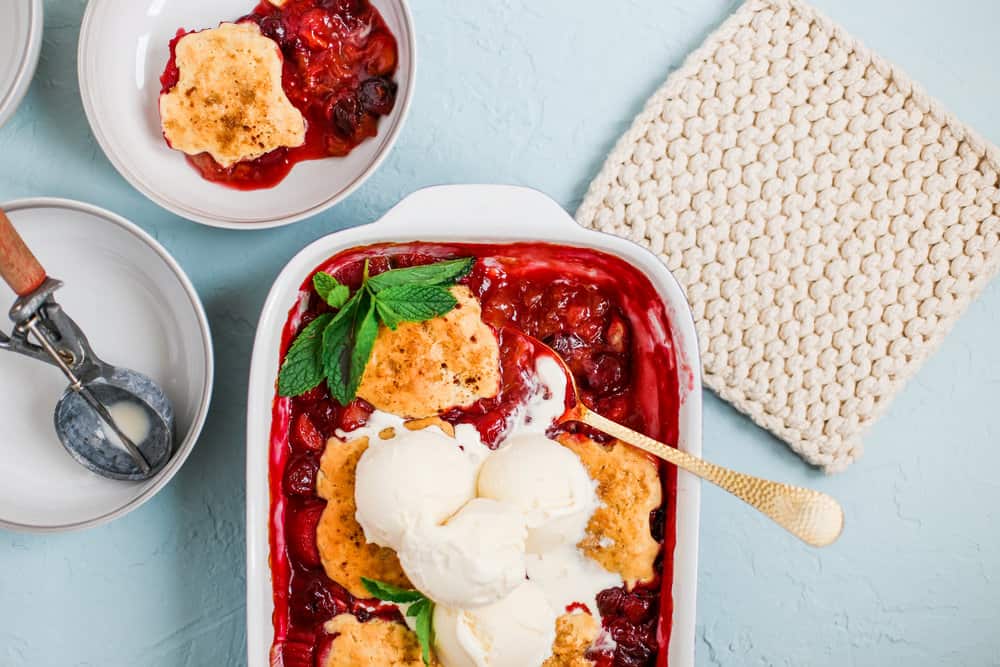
x,y
104,446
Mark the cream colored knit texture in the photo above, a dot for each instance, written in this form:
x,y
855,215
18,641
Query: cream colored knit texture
x,y
826,218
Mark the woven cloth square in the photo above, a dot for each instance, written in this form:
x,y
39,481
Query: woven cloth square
x,y
828,220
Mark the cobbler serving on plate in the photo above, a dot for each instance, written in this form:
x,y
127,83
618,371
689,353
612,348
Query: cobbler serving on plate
x,y
294,80
425,507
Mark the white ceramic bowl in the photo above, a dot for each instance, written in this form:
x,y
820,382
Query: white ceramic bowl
x,y
138,310
122,53
20,44
472,213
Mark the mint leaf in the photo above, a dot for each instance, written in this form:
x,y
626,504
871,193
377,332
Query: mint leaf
x,y
424,615
303,368
416,303
389,317
339,346
365,333
420,608
331,290
336,350
439,273
390,593
415,609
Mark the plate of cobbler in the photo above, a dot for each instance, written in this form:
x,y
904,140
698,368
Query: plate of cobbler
x,y
411,498
246,113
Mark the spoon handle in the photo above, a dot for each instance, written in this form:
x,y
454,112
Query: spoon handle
x,y
18,265
813,517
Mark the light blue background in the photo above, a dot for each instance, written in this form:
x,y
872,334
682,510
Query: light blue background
x,y
535,93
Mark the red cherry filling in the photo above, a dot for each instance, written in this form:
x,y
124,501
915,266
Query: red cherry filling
x,y
339,59
302,533
307,436
300,475
631,619
316,599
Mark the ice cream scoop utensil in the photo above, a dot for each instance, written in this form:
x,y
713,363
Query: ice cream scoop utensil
x,y
84,418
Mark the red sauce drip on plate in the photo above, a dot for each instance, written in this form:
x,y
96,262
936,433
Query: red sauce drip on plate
x,y
339,59
601,314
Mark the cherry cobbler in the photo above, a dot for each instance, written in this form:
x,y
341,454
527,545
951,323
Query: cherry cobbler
x,y
424,508
291,81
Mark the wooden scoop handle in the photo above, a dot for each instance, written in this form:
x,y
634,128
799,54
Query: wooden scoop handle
x,y
18,265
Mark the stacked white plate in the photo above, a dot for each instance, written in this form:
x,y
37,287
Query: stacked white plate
x,y
20,44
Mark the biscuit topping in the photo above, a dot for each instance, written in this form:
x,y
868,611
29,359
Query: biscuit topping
x,y
228,101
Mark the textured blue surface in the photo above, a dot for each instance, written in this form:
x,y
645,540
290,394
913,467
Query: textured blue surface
x,y
535,93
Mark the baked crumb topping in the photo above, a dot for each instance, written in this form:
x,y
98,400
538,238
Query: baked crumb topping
x,y
345,553
574,635
618,535
374,643
423,368
228,101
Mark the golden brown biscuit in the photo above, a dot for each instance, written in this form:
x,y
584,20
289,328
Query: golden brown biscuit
x,y
229,101
422,368
375,643
628,484
346,554
574,635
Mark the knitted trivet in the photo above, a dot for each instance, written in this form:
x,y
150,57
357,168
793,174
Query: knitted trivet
x,y
826,218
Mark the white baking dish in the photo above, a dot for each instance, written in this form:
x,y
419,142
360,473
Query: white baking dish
x,y
466,213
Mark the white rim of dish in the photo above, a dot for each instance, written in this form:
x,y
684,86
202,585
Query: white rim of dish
x,y
29,62
202,217
186,447
407,221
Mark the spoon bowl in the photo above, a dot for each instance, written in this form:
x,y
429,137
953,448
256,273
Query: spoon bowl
x,y
141,410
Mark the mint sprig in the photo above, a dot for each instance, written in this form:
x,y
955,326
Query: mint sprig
x,y
420,608
337,347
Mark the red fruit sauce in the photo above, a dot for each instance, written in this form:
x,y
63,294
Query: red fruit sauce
x,y
600,313
339,58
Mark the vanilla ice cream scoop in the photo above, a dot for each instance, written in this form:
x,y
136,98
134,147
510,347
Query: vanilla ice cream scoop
x,y
517,631
473,560
548,483
420,476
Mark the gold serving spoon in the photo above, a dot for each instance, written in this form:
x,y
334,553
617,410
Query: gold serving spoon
x,y
813,517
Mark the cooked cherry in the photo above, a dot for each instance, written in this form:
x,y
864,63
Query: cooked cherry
x,y
657,523
325,415
300,475
605,374
636,609
346,117
301,534
378,264
564,343
377,95
609,601
306,436
355,415
316,599
317,393
274,27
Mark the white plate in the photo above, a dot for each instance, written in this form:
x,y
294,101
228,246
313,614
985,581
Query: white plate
x,y
20,44
138,310
123,50
495,213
